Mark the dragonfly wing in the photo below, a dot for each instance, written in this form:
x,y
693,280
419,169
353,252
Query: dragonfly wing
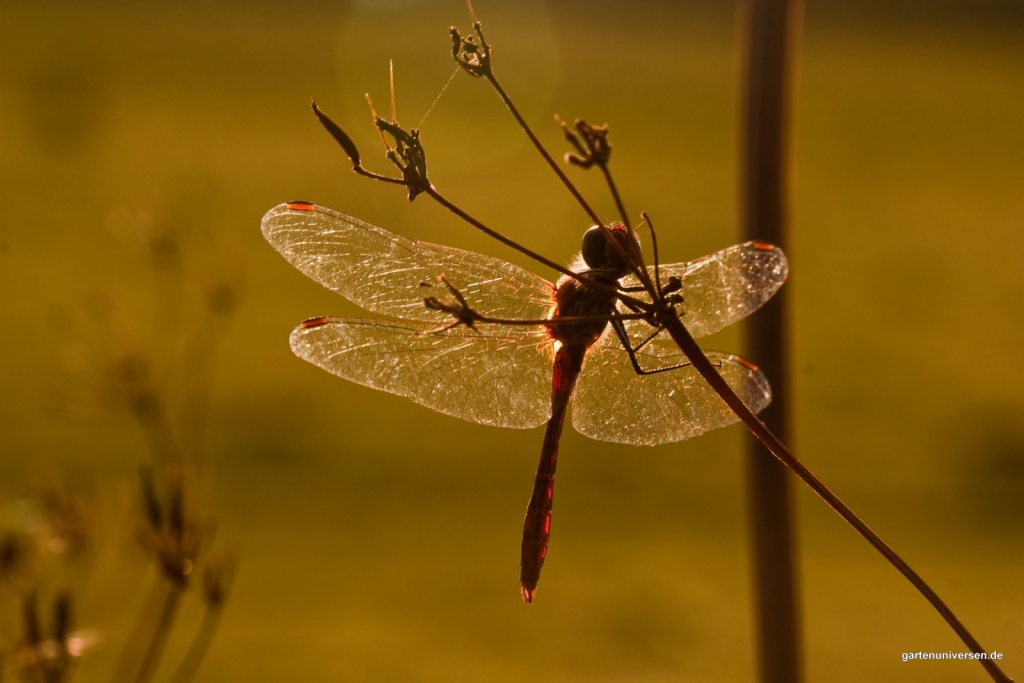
x,y
613,403
389,274
722,288
502,380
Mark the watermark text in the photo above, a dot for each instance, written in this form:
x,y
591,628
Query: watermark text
x,y
949,654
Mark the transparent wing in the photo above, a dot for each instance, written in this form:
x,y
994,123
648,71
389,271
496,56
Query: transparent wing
x,y
389,274
502,379
613,403
724,287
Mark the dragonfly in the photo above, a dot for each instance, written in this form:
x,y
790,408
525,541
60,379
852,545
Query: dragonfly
x,y
623,386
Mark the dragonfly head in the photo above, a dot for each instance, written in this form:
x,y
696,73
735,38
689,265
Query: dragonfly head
x,y
598,253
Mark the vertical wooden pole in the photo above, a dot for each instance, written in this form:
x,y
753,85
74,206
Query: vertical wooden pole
x,y
771,31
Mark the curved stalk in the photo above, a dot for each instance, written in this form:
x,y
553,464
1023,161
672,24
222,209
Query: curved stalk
x,y
696,356
163,630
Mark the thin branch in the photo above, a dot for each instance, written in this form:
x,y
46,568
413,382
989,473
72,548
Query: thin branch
x,y
443,201
200,646
475,59
696,356
160,634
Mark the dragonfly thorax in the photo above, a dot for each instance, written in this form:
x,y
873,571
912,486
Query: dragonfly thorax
x,y
574,299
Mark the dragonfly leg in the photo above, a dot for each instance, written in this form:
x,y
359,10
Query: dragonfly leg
x,y
631,350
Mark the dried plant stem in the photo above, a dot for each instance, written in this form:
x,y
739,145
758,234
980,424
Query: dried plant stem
x,y
490,232
639,272
200,646
160,633
540,148
606,172
696,356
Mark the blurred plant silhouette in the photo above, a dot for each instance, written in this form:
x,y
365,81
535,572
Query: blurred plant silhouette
x,y
163,387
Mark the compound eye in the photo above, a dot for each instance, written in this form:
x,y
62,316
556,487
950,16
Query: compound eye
x,y
594,248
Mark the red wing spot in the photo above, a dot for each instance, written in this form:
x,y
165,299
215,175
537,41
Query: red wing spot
x,y
300,206
742,361
314,322
763,246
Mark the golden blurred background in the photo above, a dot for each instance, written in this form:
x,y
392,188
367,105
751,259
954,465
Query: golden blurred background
x,y
140,144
